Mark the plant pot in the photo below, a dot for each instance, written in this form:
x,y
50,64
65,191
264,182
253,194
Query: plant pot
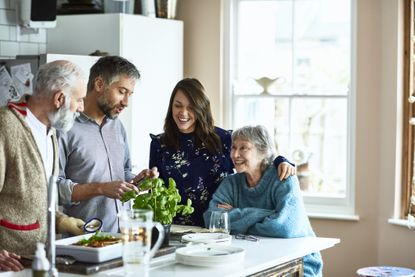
x,y
155,235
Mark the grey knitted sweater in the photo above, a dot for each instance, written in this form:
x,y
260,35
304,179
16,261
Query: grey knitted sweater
x,y
23,183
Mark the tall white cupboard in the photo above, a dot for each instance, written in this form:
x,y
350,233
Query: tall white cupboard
x,y
154,45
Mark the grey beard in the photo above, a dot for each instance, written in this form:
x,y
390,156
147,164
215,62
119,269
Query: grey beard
x,y
63,119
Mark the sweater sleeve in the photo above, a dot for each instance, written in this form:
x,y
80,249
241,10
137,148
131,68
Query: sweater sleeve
x,y
221,196
2,162
240,219
65,186
289,219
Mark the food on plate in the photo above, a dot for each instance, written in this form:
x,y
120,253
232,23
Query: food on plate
x,y
98,240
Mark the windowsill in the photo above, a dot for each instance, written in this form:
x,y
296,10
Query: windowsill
x,y
333,216
401,222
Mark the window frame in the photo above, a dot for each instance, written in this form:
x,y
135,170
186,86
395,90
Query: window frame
x,y
408,109
321,207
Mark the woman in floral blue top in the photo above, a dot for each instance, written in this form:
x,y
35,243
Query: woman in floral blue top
x,y
194,152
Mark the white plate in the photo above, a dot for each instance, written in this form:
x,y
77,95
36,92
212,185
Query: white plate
x,y
213,255
88,254
221,238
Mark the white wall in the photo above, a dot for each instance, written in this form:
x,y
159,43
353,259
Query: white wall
x,y
371,240
18,41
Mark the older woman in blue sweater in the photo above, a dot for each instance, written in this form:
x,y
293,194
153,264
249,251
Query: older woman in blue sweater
x,y
257,201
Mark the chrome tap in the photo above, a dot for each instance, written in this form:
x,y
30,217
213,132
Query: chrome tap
x,y
51,247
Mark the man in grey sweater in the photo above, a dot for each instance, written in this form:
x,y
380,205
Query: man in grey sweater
x,y
95,166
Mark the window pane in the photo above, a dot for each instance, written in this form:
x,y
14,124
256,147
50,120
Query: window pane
x,y
264,43
312,132
304,42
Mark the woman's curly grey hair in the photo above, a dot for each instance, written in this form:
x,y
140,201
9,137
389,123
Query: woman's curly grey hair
x,y
258,136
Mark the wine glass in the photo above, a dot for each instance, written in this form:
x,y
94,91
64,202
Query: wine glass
x,y
219,222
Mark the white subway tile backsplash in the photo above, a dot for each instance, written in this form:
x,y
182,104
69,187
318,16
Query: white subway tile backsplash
x,y
23,37
28,48
5,4
13,32
11,17
9,48
15,40
40,36
4,32
3,17
42,48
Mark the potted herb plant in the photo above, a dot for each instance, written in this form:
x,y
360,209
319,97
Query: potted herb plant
x,y
162,200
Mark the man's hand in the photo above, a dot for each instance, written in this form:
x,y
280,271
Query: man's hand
x,y
117,189
285,170
70,225
146,173
10,261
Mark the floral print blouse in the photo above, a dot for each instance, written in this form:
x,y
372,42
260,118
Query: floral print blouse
x,y
197,172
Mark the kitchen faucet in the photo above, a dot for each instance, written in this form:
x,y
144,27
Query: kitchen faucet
x,y
51,246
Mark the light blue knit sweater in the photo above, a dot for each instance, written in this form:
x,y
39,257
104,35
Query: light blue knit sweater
x,y
272,208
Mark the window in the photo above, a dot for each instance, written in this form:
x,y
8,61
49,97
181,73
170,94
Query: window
x,y
289,65
408,177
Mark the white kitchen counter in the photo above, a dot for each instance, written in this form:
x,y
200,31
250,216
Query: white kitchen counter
x,y
266,253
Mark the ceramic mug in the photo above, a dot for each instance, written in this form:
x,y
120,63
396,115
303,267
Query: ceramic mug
x,y
136,226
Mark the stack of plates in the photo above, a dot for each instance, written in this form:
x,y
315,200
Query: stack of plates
x,y
210,255
207,238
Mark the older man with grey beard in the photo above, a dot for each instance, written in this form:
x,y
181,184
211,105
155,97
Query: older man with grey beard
x,y
29,156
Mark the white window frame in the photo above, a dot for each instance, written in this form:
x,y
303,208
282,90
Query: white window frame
x,y
318,207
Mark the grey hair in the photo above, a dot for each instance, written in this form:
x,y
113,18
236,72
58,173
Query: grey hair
x,y
109,68
57,75
258,136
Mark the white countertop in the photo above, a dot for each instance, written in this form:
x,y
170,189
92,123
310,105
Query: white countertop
x,y
266,253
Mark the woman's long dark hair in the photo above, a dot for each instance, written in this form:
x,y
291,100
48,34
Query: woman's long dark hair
x,y
204,134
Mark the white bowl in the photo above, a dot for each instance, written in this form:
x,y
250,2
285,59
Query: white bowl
x,y
88,254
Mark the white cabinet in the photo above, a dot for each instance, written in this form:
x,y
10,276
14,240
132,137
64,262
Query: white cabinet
x,y
154,45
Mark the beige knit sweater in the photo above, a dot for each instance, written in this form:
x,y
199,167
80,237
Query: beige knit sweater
x,y
23,183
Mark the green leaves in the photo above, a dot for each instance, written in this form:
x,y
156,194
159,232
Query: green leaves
x,y
164,201
97,237
128,196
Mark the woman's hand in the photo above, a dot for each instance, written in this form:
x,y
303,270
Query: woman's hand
x,y
285,170
225,206
10,261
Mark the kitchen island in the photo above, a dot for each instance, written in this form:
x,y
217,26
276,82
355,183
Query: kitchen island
x,y
268,254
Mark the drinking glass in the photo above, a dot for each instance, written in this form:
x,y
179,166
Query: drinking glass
x,y
136,226
219,222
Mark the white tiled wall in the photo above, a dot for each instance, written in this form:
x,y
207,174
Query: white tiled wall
x,y
15,40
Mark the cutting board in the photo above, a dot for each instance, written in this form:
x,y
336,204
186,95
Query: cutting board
x,y
92,268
